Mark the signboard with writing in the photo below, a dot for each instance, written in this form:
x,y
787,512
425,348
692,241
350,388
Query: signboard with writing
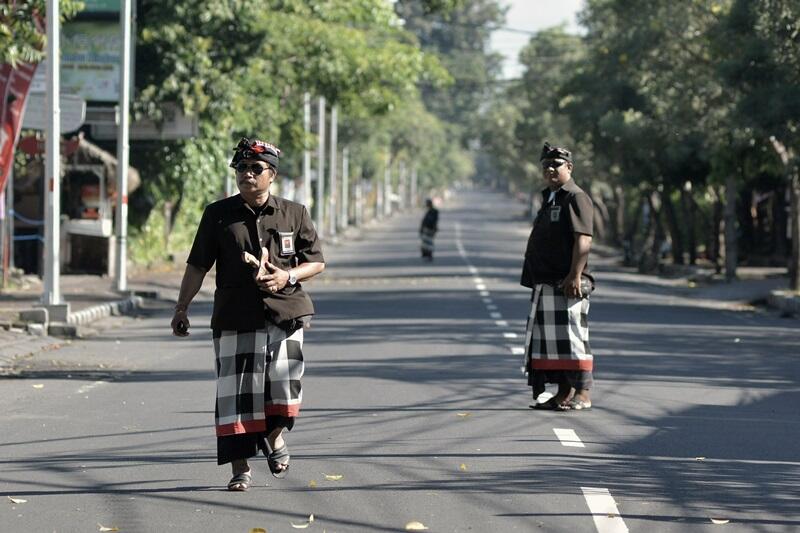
x,y
90,60
101,6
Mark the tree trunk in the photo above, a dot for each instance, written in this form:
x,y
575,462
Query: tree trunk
x,y
650,259
716,233
689,208
674,228
792,167
619,215
629,242
600,219
731,248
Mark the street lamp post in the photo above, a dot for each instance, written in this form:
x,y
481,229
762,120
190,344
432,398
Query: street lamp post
x,y
52,190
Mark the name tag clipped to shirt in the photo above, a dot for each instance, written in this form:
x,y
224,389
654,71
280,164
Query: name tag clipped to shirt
x,y
287,243
555,213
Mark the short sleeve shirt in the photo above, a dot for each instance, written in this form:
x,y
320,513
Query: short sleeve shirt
x,y
230,227
548,256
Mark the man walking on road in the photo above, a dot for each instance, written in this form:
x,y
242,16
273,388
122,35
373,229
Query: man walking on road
x,y
263,246
427,230
556,268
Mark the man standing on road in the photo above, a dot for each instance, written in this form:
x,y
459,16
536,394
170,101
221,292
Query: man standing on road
x,y
428,229
259,313
557,337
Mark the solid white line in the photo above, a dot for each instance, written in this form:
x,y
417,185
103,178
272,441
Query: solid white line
x,y
568,437
501,323
480,287
509,335
604,510
517,350
495,315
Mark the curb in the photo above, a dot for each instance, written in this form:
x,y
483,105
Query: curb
x,y
96,312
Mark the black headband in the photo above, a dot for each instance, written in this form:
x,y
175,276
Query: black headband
x,y
258,150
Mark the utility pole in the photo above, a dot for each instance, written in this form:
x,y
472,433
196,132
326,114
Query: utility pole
x,y
332,171
343,218
123,149
319,211
52,173
307,151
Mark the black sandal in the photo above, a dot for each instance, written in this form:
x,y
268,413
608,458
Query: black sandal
x,y
279,456
240,482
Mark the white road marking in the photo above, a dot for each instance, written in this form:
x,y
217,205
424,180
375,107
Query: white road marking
x,y
509,335
472,269
604,510
518,350
477,280
495,315
501,323
487,301
568,437
480,287
491,307
484,293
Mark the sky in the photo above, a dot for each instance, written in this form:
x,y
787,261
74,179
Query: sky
x,y
531,15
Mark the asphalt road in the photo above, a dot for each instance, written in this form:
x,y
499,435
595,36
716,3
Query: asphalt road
x,y
414,396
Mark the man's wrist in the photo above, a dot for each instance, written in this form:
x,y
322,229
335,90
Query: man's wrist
x,y
181,308
292,279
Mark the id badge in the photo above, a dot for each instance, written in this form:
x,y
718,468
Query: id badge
x,y
287,243
555,213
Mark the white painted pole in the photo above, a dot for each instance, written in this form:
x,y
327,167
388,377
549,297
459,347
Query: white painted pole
x,y
359,202
403,185
332,170
414,200
387,186
345,214
52,165
307,151
320,211
123,148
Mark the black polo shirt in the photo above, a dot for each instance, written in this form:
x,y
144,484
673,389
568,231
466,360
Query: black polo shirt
x,y
228,228
548,257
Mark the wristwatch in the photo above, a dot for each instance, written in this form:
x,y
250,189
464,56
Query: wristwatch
x,y
292,278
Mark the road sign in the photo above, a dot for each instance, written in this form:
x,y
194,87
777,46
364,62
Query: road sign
x,y
73,112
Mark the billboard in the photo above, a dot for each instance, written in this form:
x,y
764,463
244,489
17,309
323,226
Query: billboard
x,y
90,60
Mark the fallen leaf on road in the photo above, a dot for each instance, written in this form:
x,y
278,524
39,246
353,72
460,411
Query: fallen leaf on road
x,y
719,521
101,527
415,526
333,477
17,500
312,484
38,386
257,530
463,415
462,467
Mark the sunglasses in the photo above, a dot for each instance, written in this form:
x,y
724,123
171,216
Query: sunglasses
x,y
257,168
554,163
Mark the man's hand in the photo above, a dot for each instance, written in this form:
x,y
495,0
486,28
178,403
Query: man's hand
x,y
572,286
180,322
274,280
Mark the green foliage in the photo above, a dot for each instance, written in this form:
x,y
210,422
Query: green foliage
x,y
22,28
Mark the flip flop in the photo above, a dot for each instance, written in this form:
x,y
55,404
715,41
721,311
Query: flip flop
x,y
279,456
579,405
240,482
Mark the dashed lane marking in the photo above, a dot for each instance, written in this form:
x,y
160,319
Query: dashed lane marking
x,y
568,437
509,335
501,323
480,287
517,350
495,315
604,510
487,301
484,293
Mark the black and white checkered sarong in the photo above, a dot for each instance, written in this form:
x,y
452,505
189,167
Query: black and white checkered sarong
x,y
258,375
557,334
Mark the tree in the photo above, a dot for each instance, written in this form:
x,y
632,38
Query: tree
x,y
22,28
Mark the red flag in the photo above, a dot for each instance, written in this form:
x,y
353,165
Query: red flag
x,y
14,85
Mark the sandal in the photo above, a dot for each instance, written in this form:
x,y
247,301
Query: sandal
x,y
279,456
579,405
549,405
240,482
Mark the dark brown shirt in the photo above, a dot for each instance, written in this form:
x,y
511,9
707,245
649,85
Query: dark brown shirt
x,y
228,228
548,257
